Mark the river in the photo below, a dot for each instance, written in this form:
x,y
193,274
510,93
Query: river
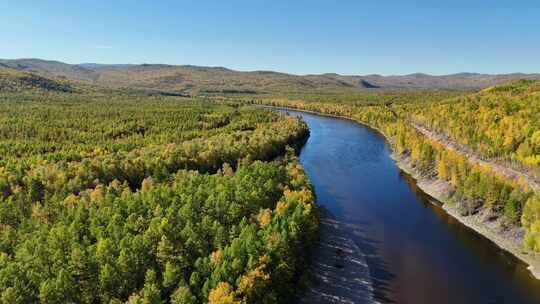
x,y
383,240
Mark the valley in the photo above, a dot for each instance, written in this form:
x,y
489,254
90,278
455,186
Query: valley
x,y
126,183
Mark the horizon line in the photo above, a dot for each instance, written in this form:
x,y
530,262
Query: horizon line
x,y
269,70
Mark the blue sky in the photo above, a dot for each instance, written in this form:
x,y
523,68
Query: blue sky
x,y
301,37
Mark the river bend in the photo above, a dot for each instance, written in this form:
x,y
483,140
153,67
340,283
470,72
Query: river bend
x,y
384,241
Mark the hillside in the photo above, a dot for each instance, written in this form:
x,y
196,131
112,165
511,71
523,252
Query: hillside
x,y
500,122
195,79
17,81
48,68
467,81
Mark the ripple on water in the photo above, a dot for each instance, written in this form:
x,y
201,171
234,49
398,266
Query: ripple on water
x,y
339,270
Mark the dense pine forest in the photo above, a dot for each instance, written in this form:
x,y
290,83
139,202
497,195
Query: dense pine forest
x,y
499,125
118,197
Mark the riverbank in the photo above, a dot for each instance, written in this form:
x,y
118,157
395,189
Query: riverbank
x,y
474,157
505,237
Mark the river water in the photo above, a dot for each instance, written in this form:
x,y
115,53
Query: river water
x,y
408,249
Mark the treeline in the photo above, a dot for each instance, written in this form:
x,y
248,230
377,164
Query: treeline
x,y
367,97
475,187
149,200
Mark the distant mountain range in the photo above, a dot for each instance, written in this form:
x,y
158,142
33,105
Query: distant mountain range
x,y
197,79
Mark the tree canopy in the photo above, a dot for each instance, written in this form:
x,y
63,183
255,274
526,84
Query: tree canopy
x,y
143,199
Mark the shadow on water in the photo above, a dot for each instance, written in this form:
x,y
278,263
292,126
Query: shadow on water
x,y
344,266
381,276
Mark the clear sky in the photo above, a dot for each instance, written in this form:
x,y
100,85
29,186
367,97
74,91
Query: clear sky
x,y
295,36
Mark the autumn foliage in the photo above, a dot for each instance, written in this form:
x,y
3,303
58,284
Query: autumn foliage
x,y
137,199
500,124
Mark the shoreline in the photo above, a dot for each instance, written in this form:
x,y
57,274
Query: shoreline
x,y
438,190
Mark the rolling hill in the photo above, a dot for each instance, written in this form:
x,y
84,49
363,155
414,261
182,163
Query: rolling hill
x,y
15,81
196,79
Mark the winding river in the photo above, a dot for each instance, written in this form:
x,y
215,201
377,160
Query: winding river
x,y
382,238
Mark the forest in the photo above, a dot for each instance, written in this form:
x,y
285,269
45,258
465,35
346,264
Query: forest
x,y
127,198
499,123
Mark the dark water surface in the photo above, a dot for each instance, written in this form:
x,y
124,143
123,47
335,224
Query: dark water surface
x,y
416,253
